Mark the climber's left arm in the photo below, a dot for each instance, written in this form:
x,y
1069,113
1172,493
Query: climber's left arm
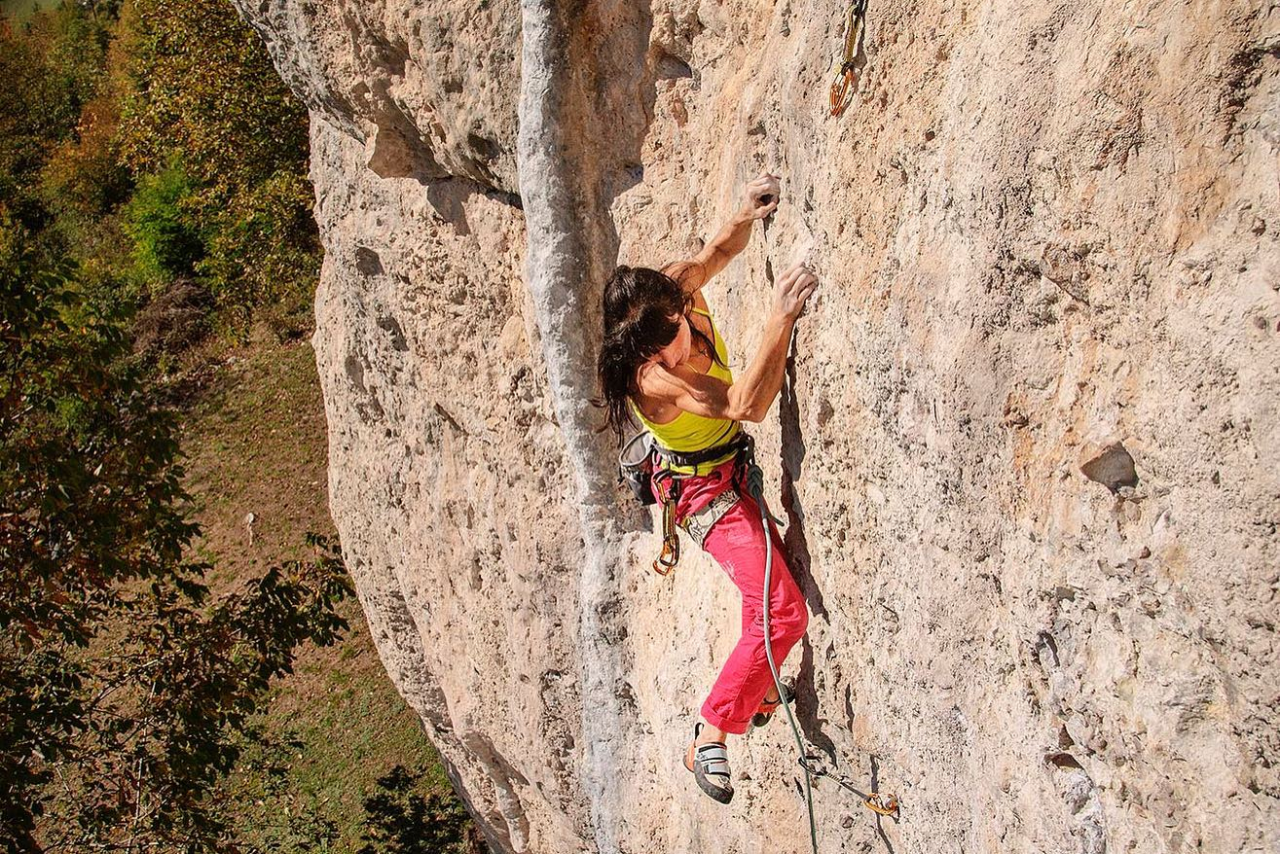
x,y
695,272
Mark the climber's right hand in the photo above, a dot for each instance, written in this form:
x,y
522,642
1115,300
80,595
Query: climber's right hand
x,y
767,186
792,291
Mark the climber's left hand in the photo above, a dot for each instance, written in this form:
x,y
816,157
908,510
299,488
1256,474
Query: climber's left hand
x,y
756,191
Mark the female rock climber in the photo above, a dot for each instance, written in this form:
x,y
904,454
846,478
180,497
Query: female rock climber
x,y
664,361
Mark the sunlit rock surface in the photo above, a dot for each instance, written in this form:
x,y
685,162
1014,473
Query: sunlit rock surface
x,y
1028,456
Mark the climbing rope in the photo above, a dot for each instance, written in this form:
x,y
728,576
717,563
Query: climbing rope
x,y
882,804
886,804
755,488
846,77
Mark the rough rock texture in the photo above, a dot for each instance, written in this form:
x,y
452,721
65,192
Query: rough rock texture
x,y
1045,231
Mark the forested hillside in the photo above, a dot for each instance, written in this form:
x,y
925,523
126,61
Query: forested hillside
x,y
1025,447
182,666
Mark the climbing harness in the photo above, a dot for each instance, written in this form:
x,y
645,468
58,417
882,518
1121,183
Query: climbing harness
x,y
699,523
635,466
846,76
637,462
660,461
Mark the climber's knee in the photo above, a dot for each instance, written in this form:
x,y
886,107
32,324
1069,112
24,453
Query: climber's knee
x,y
788,621
802,621
796,622
794,613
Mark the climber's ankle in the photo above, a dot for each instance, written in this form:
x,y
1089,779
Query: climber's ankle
x,y
709,734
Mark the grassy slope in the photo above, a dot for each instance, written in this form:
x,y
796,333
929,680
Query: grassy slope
x,y
20,9
255,439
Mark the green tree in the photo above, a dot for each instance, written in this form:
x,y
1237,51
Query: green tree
x,y
126,691
179,98
204,89
204,86
165,241
50,67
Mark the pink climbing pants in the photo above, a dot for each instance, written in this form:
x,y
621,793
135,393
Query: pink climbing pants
x,y
737,543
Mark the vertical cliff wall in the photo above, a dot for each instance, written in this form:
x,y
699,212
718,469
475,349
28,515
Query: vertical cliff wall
x,y
1028,452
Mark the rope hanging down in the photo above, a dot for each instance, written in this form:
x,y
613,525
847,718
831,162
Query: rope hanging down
x,y
882,804
846,77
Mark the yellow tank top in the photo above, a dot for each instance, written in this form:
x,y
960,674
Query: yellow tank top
x,y
689,431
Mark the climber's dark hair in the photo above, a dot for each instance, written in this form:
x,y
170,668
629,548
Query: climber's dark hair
x,y
639,304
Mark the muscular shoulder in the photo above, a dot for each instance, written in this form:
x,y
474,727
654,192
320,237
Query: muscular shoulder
x,y
690,273
657,395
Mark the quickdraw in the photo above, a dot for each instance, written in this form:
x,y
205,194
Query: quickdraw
x,y
885,803
846,76
670,554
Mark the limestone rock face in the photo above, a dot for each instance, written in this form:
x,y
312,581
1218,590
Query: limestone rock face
x,y
1046,233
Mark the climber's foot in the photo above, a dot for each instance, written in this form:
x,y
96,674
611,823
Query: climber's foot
x,y
708,759
770,703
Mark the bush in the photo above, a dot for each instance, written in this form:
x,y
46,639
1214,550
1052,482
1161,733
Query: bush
x,y
180,97
173,320
158,221
263,253
48,71
84,175
203,88
400,820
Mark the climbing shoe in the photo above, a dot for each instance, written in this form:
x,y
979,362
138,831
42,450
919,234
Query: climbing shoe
x,y
710,766
764,713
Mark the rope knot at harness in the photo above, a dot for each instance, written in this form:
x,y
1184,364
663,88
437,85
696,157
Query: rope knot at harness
x,y
755,488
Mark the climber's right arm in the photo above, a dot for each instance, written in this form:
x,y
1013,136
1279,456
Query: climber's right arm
x,y
748,399
695,272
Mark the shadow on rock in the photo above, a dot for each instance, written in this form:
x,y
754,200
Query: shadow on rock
x,y
800,561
